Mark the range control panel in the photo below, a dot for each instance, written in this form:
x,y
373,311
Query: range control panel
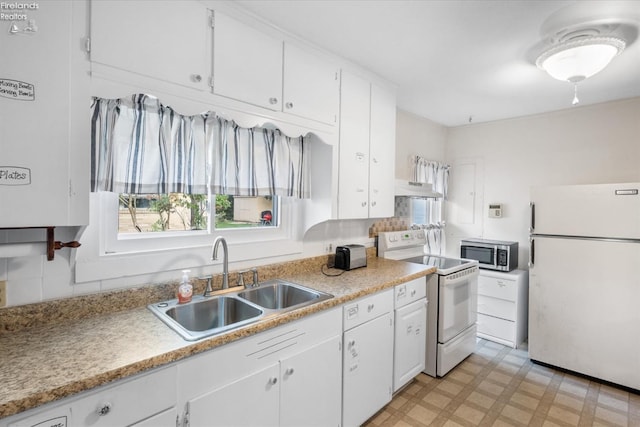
x,y
401,239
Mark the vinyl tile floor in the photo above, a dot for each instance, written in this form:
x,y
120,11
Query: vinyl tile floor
x,y
500,386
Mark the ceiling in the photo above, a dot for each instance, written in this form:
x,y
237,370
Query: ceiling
x,y
460,62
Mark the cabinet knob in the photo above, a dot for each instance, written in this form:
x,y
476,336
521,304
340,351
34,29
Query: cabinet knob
x,y
373,203
273,101
289,105
196,78
364,204
352,343
289,371
104,409
370,307
273,380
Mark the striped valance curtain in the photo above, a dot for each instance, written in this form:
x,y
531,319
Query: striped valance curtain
x,y
140,146
436,174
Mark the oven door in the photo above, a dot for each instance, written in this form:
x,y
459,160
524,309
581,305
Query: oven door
x,y
457,303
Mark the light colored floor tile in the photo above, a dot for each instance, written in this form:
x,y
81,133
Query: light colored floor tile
x,y
524,400
422,414
611,417
481,399
517,414
567,416
437,399
469,414
570,401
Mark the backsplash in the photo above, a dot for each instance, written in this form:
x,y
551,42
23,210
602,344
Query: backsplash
x,y
398,222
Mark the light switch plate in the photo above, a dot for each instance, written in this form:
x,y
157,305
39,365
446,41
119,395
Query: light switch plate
x,y
3,293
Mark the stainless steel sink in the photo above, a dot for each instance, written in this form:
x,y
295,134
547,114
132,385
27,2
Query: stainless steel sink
x,y
281,295
230,309
207,316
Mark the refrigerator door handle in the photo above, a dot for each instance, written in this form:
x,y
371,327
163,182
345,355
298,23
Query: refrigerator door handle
x,y
532,221
532,252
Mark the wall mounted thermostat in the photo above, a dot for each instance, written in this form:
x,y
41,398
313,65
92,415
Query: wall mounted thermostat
x,y
495,211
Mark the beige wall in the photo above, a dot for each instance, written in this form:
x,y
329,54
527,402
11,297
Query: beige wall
x,y
416,135
591,144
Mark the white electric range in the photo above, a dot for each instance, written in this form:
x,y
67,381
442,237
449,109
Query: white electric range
x,y
452,293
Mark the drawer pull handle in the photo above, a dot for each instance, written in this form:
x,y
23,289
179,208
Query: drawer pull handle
x,y
104,410
370,307
413,293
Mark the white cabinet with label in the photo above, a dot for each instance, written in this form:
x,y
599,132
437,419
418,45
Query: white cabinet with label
x,y
410,339
367,377
503,306
290,375
44,120
257,68
147,399
366,167
166,40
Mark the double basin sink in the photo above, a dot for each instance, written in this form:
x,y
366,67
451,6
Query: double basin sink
x,y
231,309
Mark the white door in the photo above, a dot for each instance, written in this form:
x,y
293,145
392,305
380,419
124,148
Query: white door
x,y
311,86
583,307
410,342
149,39
604,210
382,153
353,169
248,402
457,305
367,370
247,64
311,389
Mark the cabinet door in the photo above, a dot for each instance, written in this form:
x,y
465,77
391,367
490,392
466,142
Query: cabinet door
x,y
353,169
311,390
166,40
249,401
44,123
410,342
367,370
311,86
167,418
382,149
247,64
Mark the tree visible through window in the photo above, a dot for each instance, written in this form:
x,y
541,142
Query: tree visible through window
x,y
143,213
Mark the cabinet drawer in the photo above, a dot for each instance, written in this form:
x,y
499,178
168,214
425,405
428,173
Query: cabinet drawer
x,y
500,328
497,287
127,403
497,307
367,308
409,292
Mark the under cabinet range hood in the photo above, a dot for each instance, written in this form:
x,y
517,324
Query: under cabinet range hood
x,y
419,190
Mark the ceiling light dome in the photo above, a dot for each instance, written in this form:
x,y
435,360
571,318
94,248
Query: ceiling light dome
x,y
579,58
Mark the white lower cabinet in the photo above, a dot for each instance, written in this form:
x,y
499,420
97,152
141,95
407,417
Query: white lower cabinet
x,y
137,401
287,376
368,357
503,306
410,331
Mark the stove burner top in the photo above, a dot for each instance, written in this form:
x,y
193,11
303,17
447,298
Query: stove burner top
x,y
441,263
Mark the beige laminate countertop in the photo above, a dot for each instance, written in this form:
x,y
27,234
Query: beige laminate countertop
x,y
48,362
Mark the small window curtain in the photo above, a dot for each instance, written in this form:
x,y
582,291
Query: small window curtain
x,y
140,146
436,174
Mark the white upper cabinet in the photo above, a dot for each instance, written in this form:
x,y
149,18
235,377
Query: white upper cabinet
x,y
247,64
382,152
367,149
256,68
44,122
311,86
166,40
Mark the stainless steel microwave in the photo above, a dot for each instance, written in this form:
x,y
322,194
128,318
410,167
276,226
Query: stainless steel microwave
x,y
497,255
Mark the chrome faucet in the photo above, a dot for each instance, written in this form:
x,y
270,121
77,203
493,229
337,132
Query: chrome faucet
x,y
225,259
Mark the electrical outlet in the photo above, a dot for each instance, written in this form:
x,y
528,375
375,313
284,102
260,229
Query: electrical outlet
x,y
329,248
3,293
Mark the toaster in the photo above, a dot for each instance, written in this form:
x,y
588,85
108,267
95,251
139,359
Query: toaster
x,y
349,257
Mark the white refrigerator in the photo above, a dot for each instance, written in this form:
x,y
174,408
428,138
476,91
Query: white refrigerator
x,y
584,280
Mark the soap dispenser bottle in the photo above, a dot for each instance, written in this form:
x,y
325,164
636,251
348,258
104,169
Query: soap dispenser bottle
x,y
185,290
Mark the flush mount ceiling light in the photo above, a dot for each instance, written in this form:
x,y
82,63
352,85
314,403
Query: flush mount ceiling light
x,y
579,57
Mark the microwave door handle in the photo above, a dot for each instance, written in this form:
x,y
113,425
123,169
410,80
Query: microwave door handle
x,y
532,252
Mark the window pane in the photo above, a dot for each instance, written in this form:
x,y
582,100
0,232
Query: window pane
x,y
243,212
162,212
